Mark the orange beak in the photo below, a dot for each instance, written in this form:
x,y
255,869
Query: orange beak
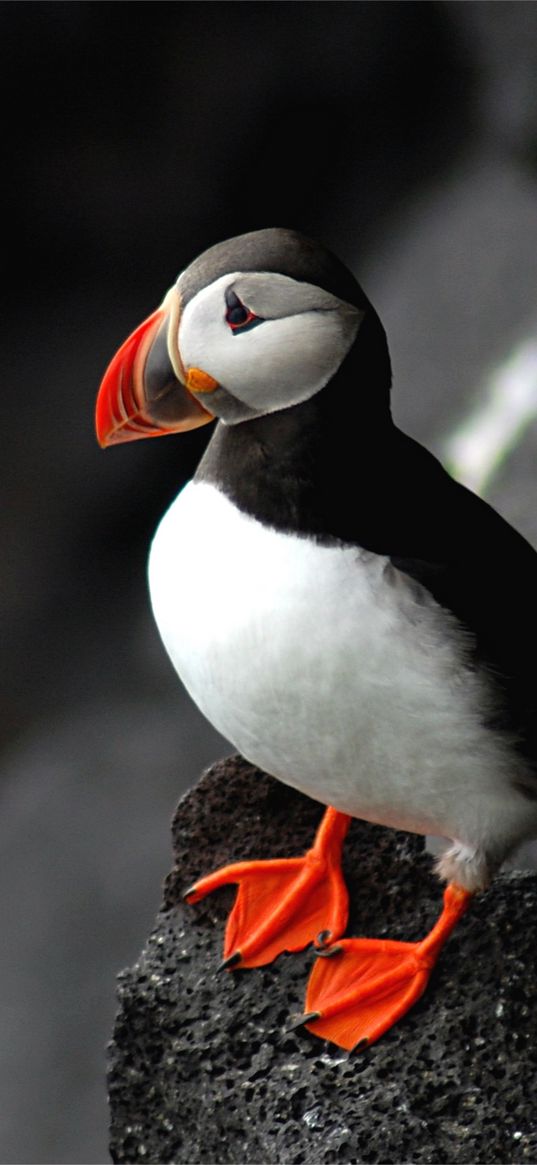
x,y
141,393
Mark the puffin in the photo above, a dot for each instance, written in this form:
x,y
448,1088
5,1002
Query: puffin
x,y
356,622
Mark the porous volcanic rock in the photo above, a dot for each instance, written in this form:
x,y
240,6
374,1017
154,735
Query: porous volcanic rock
x,y
203,1068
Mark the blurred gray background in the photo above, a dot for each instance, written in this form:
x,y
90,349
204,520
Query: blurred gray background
x,y
135,135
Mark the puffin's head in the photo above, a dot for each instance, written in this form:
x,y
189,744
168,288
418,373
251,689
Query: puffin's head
x,y
254,325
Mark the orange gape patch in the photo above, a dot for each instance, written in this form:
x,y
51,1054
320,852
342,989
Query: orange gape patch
x,y
199,381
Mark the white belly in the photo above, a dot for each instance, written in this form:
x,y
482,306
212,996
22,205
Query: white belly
x,y
329,669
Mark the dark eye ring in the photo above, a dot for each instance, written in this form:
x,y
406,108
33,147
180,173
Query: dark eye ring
x,y
239,317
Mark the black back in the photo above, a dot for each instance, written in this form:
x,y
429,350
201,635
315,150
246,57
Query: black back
x,y
337,469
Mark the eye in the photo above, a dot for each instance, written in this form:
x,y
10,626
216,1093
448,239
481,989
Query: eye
x,y
239,317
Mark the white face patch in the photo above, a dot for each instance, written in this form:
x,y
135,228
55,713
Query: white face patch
x,y
305,335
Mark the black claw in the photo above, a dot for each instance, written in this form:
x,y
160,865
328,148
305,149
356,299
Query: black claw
x,y
302,1019
327,952
187,893
230,962
361,1045
323,937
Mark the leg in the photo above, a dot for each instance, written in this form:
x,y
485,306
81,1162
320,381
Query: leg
x,y
361,987
283,905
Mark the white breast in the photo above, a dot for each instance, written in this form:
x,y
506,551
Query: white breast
x,y
329,669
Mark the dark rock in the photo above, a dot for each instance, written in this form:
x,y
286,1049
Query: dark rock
x,y
203,1069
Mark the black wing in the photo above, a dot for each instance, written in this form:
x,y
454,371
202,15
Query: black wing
x,y
477,566
302,470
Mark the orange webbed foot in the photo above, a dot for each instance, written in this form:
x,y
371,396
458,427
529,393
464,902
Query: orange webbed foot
x,y
366,985
286,903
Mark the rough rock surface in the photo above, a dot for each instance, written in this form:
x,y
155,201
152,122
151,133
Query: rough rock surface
x,y
203,1070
